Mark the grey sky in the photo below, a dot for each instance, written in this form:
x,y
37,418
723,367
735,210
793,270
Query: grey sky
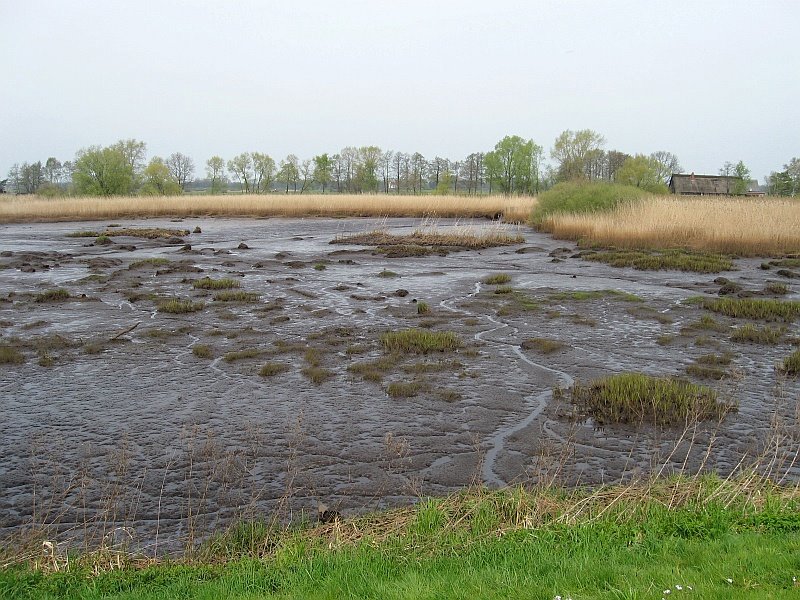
x,y
708,80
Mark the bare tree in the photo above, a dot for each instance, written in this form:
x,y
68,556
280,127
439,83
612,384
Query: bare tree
x,y
306,175
181,167
667,164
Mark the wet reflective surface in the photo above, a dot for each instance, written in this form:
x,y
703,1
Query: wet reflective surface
x,y
102,430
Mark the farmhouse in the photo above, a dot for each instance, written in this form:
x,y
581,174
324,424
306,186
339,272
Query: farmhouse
x,y
715,185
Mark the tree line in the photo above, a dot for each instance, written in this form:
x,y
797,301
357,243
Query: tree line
x,y
515,165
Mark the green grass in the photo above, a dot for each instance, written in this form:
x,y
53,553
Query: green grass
x,y
404,389
271,369
320,267
584,295
776,289
753,308
791,364
84,234
542,345
202,351
714,539
11,356
636,398
235,355
103,240
423,308
497,279
52,295
758,335
504,289
585,197
148,262
386,274
235,296
420,341
206,283
668,260
317,375
177,306
710,366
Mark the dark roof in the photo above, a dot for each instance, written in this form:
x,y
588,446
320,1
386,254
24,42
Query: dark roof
x,y
702,184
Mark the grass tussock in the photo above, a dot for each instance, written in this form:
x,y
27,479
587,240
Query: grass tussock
x,y
638,398
317,375
271,369
202,351
584,295
668,260
497,279
55,295
149,262
404,389
236,296
206,283
31,209
423,308
177,306
11,356
235,355
753,308
735,226
420,341
542,345
791,364
753,334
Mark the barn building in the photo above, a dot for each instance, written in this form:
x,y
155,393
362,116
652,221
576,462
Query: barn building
x,y
711,185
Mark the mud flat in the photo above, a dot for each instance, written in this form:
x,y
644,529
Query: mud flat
x,y
140,398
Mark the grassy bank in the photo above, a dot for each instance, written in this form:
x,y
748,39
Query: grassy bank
x,y
738,226
31,209
702,537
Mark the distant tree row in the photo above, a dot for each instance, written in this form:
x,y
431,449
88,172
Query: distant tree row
x,y
514,166
785,182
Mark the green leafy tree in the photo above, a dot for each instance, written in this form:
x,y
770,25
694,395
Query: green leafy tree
x,y
181,167
215,171
666,163
573,151
515,163
643,172
366,178
159,180
103,172
241,169
263,172
322,170
290,171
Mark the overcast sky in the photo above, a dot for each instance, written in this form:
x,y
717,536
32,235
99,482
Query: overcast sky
x,y
708,80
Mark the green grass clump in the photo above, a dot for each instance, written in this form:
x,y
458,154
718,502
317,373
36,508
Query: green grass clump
x,y
235,296
583,197
542,345
504,289
103,240
148,262
403,389
84,234
10,356
497,279
242,354
206,283
271,369
583,295
791,364
758,335
420,341
52,295
423,308
776,289
753,308
668,260
177,306
386,274
320,267
637,398
202,351
317,375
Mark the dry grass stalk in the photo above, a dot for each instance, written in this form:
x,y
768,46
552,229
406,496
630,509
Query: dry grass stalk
x,y
741,226
30,208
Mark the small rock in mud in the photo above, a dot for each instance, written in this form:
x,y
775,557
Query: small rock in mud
x,y
197,230
6,253
126,247
174,241
787,273
346,261
27,269
401,293
243,246
186,247
560,252
281,255
528,250
557,260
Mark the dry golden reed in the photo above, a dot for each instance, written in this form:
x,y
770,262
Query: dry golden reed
x,y
31,208
740,226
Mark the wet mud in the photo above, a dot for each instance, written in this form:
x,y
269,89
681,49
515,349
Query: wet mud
x,y
116,419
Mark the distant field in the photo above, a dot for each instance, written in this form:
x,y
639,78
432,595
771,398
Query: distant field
x,y
741,226
32,208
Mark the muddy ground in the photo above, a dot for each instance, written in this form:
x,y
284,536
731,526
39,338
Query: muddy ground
x,y
104,427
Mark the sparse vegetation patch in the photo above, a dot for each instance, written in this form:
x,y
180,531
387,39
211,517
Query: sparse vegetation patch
x,y
206,283
55,295
758,335
675,260
177,306
149,262
11,356
242,354
791,364
271,369
497,279
202,351
753,308
235,296
542,345
404,389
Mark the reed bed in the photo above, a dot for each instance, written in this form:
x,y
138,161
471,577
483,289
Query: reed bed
x,y
32,209
739,226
